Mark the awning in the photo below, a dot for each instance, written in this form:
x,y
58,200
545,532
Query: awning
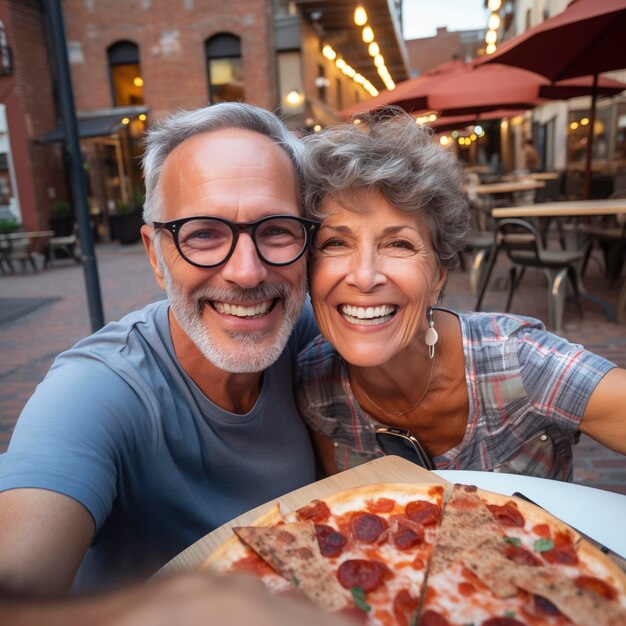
x,y
97,124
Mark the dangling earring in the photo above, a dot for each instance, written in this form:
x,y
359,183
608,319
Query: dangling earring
x,y
431,337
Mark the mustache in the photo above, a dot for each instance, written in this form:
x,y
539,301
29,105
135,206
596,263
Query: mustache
x,y
239,295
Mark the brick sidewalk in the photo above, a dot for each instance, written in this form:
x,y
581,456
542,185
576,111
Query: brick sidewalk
x,y
29,345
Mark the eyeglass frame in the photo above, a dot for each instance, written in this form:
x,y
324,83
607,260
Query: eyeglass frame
x,y
423,460
174,226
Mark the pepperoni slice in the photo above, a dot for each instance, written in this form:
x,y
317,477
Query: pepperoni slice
x,y
317,511
507,515
330,541
252,564
367,527
422,512
501,621
361,573
561,555
595,585
432,618
406,538
545,607
381,505
521,556
466,589
404,607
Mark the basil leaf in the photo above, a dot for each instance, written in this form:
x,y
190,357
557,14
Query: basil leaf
x,y
543,545
359,596
516,541
510,614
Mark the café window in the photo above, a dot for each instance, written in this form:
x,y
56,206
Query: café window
x,y
290,83
125,73
620,133
224,68
578,133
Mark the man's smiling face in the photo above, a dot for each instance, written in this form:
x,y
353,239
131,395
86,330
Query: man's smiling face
x,y
241,313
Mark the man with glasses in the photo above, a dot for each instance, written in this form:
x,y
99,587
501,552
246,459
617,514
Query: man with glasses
x,y
163,426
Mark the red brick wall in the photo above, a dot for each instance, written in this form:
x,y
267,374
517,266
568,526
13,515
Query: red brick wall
x,y
31,113
171,36
427,53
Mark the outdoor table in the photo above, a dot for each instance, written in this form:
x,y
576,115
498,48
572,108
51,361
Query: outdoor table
x,y
508,187
575,208
595,512
531,176
12,242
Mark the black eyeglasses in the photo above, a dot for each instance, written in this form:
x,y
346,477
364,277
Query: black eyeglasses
x,y
210,241
402,443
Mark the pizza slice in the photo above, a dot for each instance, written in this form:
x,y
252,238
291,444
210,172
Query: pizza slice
x,y
378,539
517,566
292,550
234,556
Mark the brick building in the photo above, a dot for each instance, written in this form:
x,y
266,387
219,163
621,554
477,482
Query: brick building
x,y
429,52
31,173
133,62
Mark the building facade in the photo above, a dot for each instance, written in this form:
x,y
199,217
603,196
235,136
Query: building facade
x,y
31,172
134,62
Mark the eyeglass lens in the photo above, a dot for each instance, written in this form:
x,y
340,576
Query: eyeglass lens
x,y
206,241
394,442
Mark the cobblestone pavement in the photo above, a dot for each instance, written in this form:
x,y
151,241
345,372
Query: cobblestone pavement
x,y
28,345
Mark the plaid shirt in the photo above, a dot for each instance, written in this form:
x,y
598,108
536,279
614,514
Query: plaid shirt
x,y
527,389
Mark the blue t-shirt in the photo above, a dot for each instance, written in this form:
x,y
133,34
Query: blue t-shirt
x,y
120,427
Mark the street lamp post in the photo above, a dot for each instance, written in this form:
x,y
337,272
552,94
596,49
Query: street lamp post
x,y
76,172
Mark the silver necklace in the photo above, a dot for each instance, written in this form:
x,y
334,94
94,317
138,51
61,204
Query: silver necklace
x,y
400,413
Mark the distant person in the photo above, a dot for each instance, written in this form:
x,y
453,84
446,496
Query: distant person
x,y
532,163
161,427
395,373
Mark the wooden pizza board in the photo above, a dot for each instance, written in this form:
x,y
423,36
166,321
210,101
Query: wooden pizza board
x,y
387,469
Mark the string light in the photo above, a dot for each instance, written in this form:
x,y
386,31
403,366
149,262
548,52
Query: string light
x,y
360,16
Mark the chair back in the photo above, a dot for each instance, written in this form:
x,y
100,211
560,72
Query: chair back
x,y
521,241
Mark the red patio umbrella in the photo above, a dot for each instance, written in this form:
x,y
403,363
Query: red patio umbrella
x,y
589,37
469,89
491,87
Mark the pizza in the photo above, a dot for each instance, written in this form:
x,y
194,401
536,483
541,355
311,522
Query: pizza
x,y
420,554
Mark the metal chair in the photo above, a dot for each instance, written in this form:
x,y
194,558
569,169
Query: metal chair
x,y
608,232
524,246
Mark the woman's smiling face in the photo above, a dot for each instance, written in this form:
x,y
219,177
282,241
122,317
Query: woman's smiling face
x,y
373,276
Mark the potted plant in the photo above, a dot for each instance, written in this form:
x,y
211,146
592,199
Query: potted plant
x,y
125,223
62,218
9,225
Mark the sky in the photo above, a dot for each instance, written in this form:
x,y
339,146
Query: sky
x,y
421,17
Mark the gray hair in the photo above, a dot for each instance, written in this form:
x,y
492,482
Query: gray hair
x,y
388,152
171,132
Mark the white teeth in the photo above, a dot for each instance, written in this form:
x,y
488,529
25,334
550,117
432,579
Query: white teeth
x,y
239,310
367,316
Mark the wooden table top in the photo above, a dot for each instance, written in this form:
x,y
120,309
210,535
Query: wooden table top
x,y
509,186
574,208
532,176
28,234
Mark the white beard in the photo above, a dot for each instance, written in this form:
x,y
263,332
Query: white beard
x,y
248,353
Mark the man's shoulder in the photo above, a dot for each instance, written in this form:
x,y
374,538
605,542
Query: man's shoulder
x,y
115,335
121,349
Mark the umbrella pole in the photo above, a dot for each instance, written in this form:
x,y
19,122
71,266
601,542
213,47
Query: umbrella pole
x,y
592,123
